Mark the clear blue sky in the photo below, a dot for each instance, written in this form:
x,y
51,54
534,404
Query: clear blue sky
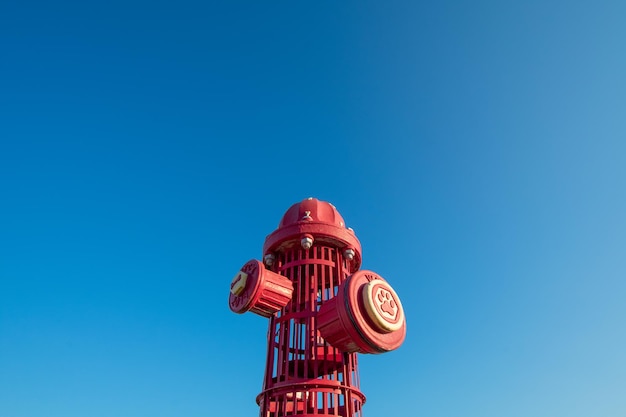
x,y
478,149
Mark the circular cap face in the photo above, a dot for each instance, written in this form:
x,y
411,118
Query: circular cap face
x,y
243,287
383,306
375,311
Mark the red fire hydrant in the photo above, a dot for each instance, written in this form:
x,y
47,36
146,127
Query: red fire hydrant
x,y
322,310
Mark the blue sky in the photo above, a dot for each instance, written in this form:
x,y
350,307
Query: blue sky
x,y
147,149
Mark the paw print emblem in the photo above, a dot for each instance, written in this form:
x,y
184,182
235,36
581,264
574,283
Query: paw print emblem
x,y
383,306
386,304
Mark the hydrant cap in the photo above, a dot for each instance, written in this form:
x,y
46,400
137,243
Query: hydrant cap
x,y
319,219
310,210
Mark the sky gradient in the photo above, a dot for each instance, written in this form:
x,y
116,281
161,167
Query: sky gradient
x,y
478,151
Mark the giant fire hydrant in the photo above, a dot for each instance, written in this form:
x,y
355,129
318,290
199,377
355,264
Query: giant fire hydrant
x,y
322,311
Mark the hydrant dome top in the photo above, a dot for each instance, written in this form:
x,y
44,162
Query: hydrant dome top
x,y
312,209
318,220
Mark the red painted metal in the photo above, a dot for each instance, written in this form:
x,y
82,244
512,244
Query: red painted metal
x,y
319,219
318,324
263,292
354,322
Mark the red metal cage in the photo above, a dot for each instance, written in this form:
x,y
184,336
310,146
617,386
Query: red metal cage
x,y
322,311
